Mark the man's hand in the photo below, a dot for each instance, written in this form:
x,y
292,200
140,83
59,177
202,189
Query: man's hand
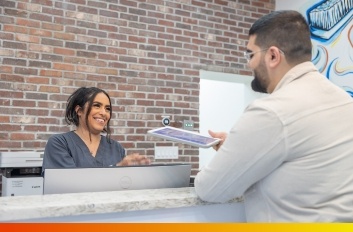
x,y
219,135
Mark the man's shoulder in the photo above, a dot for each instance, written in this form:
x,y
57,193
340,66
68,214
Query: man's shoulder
x,y
264,102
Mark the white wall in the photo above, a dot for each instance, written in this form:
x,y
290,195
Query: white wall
x,y
223,97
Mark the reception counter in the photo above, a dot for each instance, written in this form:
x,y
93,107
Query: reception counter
x,y
155,205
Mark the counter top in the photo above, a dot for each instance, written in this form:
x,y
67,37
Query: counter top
x,y
59,205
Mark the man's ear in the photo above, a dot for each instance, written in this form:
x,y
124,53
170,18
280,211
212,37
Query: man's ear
x,y
275,57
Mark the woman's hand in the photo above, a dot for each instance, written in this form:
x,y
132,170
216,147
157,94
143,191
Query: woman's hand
x,y
134,159
219,135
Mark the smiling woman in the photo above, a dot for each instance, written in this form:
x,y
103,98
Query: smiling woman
x,y
90,110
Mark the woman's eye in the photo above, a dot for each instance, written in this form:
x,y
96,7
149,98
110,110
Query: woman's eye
x,y
108,109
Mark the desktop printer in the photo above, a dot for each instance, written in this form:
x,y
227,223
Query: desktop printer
x,y
21,173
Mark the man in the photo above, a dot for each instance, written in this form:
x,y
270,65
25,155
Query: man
x,y
290,155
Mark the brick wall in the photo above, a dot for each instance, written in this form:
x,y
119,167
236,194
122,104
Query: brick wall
x,y
147,54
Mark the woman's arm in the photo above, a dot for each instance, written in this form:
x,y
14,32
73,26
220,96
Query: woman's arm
x,y
57,153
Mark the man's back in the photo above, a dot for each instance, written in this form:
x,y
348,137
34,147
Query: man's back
x,y
314,181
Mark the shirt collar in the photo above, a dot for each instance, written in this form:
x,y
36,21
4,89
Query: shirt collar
x,y
295,73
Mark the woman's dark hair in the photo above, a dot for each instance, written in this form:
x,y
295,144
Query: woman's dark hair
x,y
79,98
288,30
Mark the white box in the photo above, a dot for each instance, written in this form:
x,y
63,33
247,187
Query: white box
x,y
166,152
21,159
22,186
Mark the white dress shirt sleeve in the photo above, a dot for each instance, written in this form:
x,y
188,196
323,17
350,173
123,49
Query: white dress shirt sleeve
x,y
254,147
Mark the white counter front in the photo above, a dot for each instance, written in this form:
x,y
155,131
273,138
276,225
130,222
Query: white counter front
x,y
155,205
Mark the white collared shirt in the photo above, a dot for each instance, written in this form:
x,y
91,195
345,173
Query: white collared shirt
x,y
290,155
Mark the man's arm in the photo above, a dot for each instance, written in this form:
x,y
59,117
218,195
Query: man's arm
x,y
254,147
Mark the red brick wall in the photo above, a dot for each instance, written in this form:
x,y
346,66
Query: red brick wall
x,y
147,54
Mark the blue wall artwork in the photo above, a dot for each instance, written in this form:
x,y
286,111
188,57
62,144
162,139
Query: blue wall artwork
x,y
331,25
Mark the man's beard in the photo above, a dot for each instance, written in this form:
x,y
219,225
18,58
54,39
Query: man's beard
x,y
257,86
260,75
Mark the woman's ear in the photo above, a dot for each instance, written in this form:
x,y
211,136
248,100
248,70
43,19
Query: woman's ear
x,y
78,110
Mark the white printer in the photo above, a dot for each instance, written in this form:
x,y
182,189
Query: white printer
x,y
21,173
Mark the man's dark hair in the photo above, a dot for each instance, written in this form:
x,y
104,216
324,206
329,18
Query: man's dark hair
x,y
79,98
288,30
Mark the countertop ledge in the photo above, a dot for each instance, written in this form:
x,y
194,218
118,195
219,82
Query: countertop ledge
x,y
58,205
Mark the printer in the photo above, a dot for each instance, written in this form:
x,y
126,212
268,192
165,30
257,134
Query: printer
x,y
21,173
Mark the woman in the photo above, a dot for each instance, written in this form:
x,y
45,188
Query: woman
x,y
90,110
